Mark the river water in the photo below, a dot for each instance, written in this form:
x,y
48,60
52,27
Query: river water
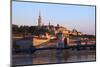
x,y
53,56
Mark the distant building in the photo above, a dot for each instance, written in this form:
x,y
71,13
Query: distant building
x,y
75,32
55,29
62,29
39,20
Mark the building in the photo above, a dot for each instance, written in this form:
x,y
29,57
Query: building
x,y
39,20
55,29
75,32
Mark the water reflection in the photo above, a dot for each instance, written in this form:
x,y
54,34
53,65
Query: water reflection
x,y
53,56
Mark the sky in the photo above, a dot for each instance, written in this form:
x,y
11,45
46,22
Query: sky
x,y
70,16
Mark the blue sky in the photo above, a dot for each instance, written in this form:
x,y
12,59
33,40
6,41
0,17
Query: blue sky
x,y
81,18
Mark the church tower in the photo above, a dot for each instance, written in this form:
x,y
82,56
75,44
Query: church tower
x,y
39,20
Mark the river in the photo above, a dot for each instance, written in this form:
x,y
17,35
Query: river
x,y
53,56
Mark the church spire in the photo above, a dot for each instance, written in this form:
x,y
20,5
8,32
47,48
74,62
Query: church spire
x,y
39,13
49,23
39,19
